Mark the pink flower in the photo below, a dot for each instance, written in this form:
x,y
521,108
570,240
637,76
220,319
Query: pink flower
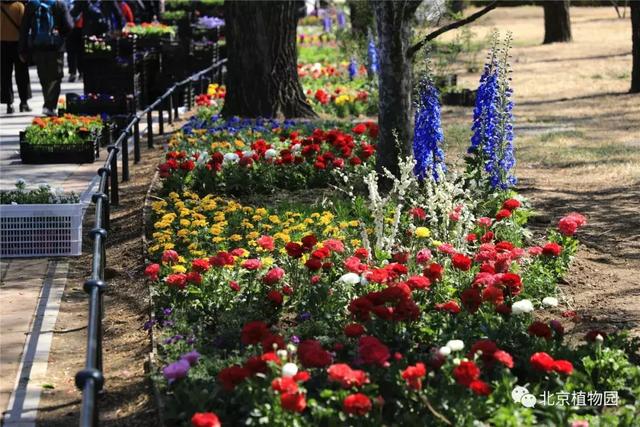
x,y
170,256
423,256
252,264
266,242
152,271
447,248
484,221
334,244
273,276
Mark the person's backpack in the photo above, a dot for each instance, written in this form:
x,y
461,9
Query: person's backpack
x,y
44,34
95,23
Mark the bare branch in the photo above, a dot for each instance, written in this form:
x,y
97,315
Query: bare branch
x,y
416,47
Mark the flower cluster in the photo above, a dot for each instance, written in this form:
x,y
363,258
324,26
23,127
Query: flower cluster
x,y
62,130
427,135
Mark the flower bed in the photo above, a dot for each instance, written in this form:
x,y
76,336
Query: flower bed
x,y
67,139
428,304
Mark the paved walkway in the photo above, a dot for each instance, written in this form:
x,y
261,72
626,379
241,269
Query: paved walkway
x,y
31,289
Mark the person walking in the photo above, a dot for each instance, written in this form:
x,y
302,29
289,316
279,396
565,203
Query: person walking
x,y
10,19
74,45
44,27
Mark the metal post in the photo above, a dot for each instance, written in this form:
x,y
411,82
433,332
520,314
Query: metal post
x,y
160,120
136,142
115,196
125,156
169,103
175,106
106,220
149,129
190,95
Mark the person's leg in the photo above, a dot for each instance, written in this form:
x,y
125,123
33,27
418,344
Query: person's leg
x,y
23,81
50,73
7,58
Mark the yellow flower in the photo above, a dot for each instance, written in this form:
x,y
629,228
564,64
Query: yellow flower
x,y
267,261
436,243
179,269
168,246
422,232
185,222
355,242
183,233
282,236
354,223
274,219
253,235
154,248
217,239
235,237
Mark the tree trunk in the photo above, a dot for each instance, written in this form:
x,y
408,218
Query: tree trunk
x,y
635,47
395,83
557,24
262,75
361,18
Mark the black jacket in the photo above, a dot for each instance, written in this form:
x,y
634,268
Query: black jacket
x,y
62,22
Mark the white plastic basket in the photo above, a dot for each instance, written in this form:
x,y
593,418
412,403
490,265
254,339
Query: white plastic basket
x,y
40,230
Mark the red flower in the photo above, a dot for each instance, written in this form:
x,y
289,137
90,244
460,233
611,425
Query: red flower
x,y
450,306
284,385
275,297
312,355
480,388
414,375
571,223
502,214
309,241
254,332
293,402
294,250
540,329
461,262
178,280
200,265
252,264
551,249
170,256
266,242
542,362
194,277
273,276
372,351
466,372
361,253
486,346
205,419
356,404
359,129
271,342
234,285
152,271
471,299
232,376
563,367
354,330
434,272
511,204
313,264
504,358
418,282
347,377
418,213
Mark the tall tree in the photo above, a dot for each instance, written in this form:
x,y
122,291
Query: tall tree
x,y
361,17
262,78
395,83
635,47
557,23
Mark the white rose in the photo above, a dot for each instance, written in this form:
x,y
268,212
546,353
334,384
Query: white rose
x,y
455,345
350,278
270,153
550,302
231,158
247,153
289,369
522,307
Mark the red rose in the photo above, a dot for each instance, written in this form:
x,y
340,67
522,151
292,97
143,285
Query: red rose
x,y
471,299
152,271
302,376
466,372
254,332
502,214
252,264
414,375
486,347
273,276
372,351
450,306
487,237
194,277
356,404
434,272
418,213
170,256
418,282
461,262
347,377
541,362
293,402
540,329
571,223
234,285
563,367
312,355
309,241
511,204
232,376
361,253
313,264
480,388
354,330
205,419
551,249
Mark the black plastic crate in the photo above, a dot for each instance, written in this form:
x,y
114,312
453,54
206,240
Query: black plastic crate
x,y
86,150
100,104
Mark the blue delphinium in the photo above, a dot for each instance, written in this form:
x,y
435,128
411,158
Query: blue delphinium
x,y
353,68
492,140
427,134
372,52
